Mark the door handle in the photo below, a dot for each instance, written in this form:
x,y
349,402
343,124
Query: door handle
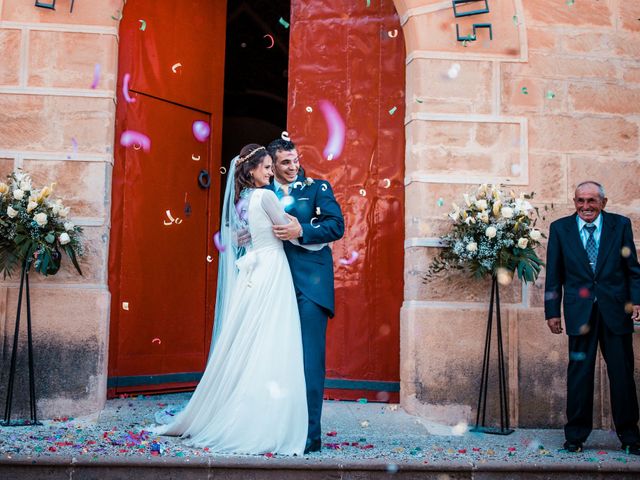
x,y
204,179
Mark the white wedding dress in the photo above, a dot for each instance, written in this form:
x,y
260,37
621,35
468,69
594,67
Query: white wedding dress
x,y
252,396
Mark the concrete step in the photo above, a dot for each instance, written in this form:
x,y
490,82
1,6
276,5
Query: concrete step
x,y
297,469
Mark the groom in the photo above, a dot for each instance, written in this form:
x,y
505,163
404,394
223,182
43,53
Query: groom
x,y
316,218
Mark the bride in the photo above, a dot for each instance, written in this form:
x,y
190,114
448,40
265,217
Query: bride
x,y
252,396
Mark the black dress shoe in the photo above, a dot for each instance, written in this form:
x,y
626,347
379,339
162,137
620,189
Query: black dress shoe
x,y
631,448
573,447
313,446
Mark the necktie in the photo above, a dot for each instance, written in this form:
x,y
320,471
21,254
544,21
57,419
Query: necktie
x,y
282,191
590,247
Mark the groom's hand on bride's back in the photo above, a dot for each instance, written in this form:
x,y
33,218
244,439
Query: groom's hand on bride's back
x,y
243,237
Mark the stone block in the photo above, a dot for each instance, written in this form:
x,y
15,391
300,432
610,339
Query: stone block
x,y
84,13
33,122
67,60
82,185
542,38
451,286
469,91
628,14
542,365
631,74
561,67
584,134
605,98
441,363
580,14
547,178
10,44
6,167
70,329
619,178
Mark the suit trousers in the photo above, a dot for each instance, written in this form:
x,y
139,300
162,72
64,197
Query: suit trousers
x,y
617,351
313,320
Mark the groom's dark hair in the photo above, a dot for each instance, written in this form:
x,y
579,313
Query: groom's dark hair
x,y
280,145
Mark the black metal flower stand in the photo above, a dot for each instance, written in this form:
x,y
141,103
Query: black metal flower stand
x,y
502,378
24,286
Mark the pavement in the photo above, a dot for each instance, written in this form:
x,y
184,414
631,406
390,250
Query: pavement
x,y
380,435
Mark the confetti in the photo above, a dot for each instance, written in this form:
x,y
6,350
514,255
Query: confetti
x,y
125,305
336,129
324,187
119,16
96,76
349,261
393,33
393,110
143,25
74,147
201,130
364,424
175,67
440,202
156,340
419,100
283,22
125,88
209,258
196,158
515,19
223,170
368,3
218,242
285,136
584,292
386,183
363,192
550,95
311,222
584,329
270,37
332,434
361,400
577,356
571,2
172,220
453,71
131,137
309,109
525,91
392,468
625,252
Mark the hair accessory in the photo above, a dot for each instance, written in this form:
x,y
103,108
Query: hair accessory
x,y
248,155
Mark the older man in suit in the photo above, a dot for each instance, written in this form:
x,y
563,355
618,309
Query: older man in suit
x,y
593,271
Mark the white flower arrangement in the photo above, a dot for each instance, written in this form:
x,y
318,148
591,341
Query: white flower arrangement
x,y
34,229
492,232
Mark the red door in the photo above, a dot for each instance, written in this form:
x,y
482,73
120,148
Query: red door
x,y
161,264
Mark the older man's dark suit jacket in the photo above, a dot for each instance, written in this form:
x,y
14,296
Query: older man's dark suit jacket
x,y
571,282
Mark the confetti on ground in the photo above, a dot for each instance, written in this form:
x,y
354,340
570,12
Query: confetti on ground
x,y
143,25
283,22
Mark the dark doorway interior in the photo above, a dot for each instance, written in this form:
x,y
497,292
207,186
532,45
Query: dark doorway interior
x,y
256,80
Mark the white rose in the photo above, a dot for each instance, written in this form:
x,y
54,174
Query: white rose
x,y
25,185
491,232
481,204
535,235
31,206
11,212
64,212
507,212
64,238
18,194
68,226
40,219
55,209
522,242
472,247
483,217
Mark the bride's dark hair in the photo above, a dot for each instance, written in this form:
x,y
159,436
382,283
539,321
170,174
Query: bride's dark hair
x,y
250,157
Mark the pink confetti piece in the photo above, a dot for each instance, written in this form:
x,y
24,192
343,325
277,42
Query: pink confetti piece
x,y
218,242
125,88
96,76
350,260
156,340
131,138
332,434
336,128
201,130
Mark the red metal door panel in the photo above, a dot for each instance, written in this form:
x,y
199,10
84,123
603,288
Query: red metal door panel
x,y
353,56
162,285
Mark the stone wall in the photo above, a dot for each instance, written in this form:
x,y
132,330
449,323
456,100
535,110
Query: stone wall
x,y
552,100
47,103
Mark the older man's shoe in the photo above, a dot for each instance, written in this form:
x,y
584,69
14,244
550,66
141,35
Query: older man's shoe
x,y
631,448
573,447
313,446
